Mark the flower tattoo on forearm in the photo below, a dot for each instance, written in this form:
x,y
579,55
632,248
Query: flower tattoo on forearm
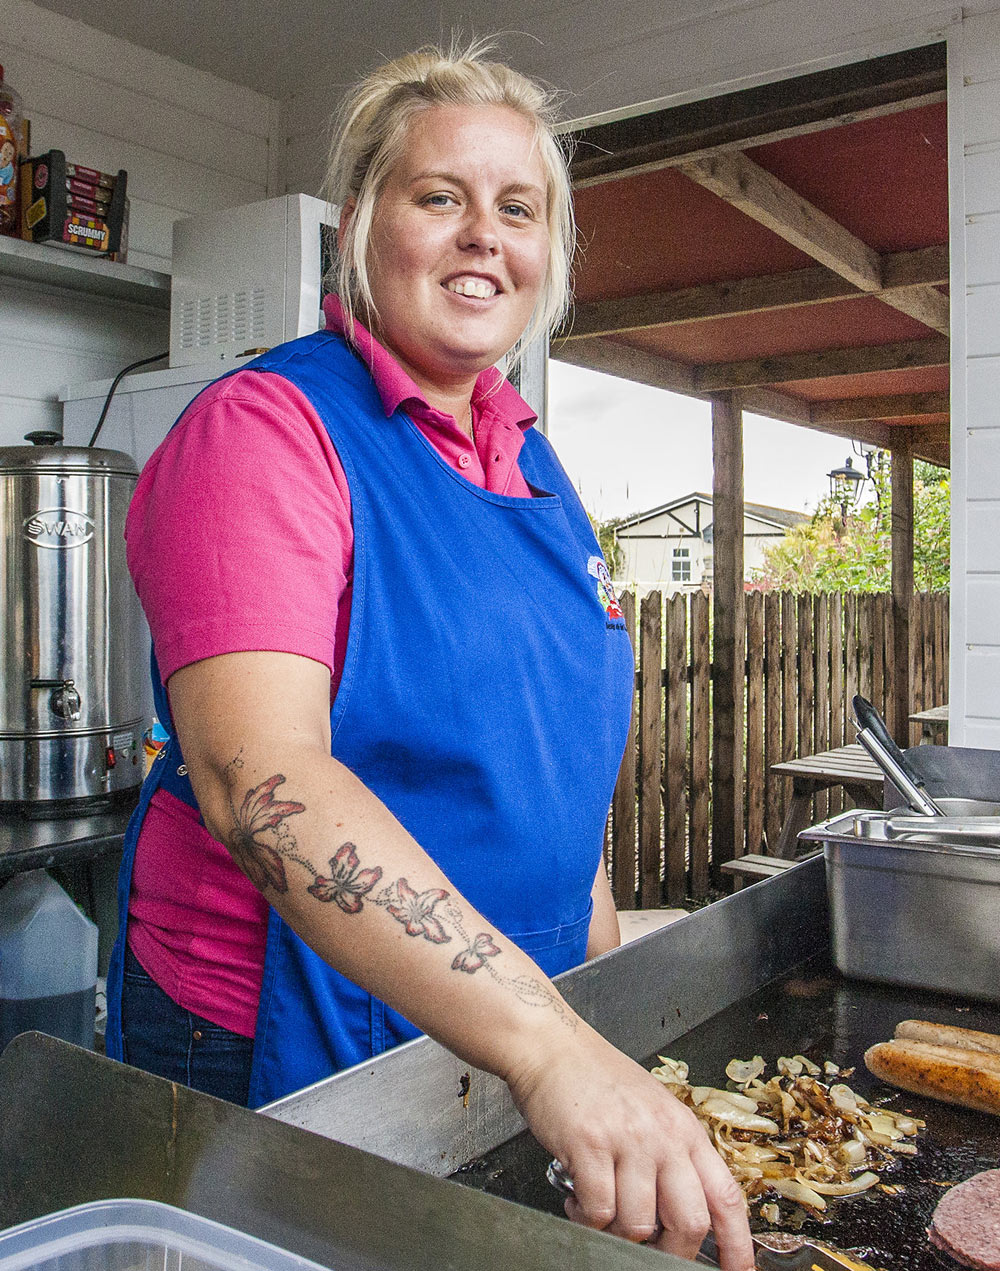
x,y
348,882
261,862
262,844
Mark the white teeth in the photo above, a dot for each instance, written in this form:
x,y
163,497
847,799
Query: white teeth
x,y
477,287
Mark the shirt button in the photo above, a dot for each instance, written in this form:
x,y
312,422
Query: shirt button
x,y
464,461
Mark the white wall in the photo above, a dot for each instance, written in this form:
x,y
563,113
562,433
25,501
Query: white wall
x,y
975,238
190,142
648,552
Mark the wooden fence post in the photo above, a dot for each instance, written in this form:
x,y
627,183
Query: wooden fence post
x,y
675,776
701,744
729,640
650,748
821,723
774,786
755,763
837,704
902,582
623,824
789,689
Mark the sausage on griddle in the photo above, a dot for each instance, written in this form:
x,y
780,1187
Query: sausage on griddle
x,y
922,1030
966,1077
966,1223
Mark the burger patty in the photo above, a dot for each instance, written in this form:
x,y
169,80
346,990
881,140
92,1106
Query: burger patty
x,y
966,1223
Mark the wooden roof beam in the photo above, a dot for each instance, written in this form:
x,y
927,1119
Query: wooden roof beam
x,y
758,116
614,358
626,363
764,198
902,355
932,442
886,406
751,295
757,194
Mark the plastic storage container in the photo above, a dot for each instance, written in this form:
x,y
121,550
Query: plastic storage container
x,y
48,962
138,1235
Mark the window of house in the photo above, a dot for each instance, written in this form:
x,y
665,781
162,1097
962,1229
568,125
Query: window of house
x,y
680,566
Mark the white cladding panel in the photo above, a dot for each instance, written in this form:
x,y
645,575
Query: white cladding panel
x,y
984,606
981,39
982,181
975,677
190,143
984,454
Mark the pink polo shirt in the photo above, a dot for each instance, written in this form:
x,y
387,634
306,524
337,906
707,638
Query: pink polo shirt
x,y
239,538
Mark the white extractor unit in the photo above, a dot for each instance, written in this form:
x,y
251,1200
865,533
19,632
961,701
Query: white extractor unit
x,y
248,278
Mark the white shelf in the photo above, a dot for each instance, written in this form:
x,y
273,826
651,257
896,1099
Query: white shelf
x,y
60,267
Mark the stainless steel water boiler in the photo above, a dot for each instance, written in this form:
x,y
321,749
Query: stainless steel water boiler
x,y
71,666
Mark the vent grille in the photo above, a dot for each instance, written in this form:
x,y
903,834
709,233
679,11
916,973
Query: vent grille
x,y
237,318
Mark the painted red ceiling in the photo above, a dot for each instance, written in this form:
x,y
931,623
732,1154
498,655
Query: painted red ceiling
x,y
922,379
661,231
834,325
846,172
883,179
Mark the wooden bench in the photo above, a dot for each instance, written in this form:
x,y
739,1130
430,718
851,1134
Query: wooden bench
x,y
752,868
848,766
933,725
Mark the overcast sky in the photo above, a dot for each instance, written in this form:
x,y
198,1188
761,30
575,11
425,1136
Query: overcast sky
x,y
629,448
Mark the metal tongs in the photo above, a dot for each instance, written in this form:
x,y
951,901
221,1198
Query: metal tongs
x,y
877,740
773,1250
952,831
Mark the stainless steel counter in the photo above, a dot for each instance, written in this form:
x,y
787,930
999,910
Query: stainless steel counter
x,y
35,843
76,1127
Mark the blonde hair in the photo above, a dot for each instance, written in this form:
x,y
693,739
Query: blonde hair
x,y
370,132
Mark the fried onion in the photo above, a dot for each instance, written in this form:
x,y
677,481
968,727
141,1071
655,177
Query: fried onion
x,y
793,1136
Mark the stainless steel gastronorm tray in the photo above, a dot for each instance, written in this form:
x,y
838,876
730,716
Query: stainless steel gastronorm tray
x,y
913,904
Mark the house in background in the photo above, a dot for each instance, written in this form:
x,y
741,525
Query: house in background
x,y
670,547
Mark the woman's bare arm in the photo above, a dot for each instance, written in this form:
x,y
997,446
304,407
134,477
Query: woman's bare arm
x,y
605,932
350,880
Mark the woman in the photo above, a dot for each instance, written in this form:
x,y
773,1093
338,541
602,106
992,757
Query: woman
x,y
398,686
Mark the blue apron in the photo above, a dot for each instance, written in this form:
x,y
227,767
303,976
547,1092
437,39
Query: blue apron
x,y
485,700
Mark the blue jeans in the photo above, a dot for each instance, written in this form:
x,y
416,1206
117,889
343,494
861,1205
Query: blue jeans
x,y
163,1038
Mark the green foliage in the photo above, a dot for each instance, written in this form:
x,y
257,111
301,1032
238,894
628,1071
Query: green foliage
x,y
824,554
614,557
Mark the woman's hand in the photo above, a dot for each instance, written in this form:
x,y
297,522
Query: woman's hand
x,y
636,1154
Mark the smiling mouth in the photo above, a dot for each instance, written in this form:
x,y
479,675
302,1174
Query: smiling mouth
x,y
480,288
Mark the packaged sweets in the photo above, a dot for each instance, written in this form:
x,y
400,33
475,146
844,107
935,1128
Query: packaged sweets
x,y
11,134
66,203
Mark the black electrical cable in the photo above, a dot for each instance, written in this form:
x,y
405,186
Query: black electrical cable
x,y
145,361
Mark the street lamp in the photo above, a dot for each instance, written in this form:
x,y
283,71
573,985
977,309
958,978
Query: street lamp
x,y
845,487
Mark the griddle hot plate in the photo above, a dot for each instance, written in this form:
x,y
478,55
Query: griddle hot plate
x,y
816,1012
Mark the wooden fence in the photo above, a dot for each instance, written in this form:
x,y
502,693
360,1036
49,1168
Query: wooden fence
x,y
806,657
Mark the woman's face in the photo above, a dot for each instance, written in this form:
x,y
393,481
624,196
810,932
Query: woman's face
x,y
459,246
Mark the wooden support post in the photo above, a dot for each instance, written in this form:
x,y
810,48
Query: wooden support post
x,y
729,641
902,585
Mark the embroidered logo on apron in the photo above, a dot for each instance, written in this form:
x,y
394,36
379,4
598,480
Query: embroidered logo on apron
x,y
605,588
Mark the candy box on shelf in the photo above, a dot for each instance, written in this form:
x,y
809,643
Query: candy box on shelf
x,y
66,203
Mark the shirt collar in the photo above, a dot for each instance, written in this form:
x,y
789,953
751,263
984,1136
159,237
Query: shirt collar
x,y
493,394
